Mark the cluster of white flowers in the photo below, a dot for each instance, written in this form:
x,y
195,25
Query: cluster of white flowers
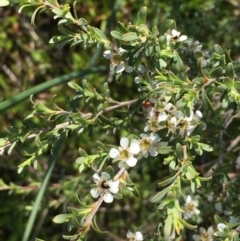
x,y
137,236
104,186
169,117
190,207
205,235
117,62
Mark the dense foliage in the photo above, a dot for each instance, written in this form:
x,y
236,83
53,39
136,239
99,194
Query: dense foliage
x,y
121,71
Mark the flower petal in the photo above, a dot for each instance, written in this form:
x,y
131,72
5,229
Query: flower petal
x,y
120,68
122,51
162,116
153,152
128,68
196,237
134,146
188,199
94,192
107,54
154,137
124,142
132,161
114,186
138,236
96,177
105,176
108,197
114,153
221,227
182,38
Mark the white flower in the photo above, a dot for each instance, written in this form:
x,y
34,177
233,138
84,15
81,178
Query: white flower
x,y
105,187
137,236
185,124
190,207
205,235
195,46
125,153
117,62
221,227
176,36
149,143
154,119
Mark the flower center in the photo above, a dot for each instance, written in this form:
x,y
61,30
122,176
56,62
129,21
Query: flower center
x,y
145,144
124,154
104,185
190,207
205,237
116,60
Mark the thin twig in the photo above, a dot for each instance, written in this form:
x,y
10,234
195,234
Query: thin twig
x,y
65,124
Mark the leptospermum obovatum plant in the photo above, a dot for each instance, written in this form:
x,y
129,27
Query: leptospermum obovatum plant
x,y
189,97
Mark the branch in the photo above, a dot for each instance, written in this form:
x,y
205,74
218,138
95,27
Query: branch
x,y
65,124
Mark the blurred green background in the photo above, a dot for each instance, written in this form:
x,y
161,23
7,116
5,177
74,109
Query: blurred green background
x,y
27,59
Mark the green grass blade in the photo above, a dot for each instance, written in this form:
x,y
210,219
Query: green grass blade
x,y
47,85
33,215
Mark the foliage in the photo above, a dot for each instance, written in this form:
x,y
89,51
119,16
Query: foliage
x,y
173,105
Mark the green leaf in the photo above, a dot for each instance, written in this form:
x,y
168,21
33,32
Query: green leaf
x,y
217,72
179,152
116,35
230,70
177,62
168,226
70,237
74,86
227,56
82,22
206,101
188,225
228,82
160,63
121,27
160,195
165,26
35,13
164,150
205,147
99,34
4,3
142,15
217,219
218,49
236,85
61,218
167,181
129,36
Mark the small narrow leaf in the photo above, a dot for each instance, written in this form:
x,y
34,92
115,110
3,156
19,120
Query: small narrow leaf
x,y
82,22
116,35
230,70
165,26
61,218
168,226
142,15
179,151
129,36
218,49
206,101
160,195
